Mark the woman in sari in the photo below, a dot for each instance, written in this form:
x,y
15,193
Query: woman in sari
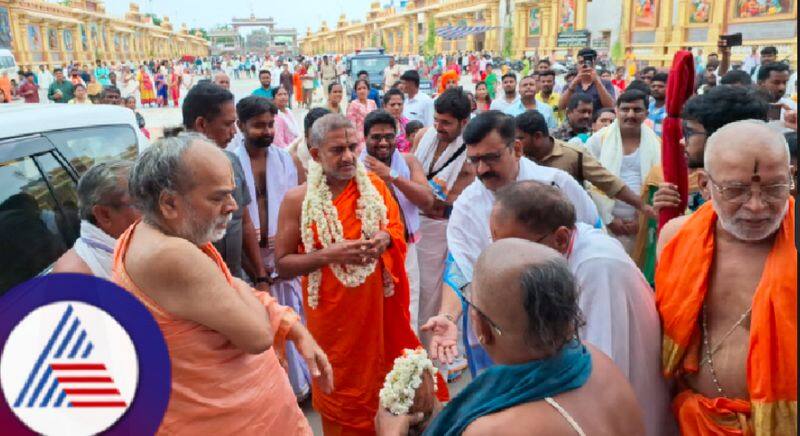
x,y
174,86
393,103
286,129
482,99
335,96
358,110
162,98
297,81
146,94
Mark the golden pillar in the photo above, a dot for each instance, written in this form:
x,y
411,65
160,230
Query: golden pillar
x,y
549,28
23,46
663,32
520,29
580,15
716,27
436,24
62,44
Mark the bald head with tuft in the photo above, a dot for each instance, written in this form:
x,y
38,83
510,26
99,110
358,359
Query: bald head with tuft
x,y
529,291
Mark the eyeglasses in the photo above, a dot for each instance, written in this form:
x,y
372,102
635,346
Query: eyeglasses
x,y
488,158
464,293
389,137
740,193
688,132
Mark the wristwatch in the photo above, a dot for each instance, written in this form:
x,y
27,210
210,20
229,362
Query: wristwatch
x,y
393,175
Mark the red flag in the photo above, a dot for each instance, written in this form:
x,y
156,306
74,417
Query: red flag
x,y
680,86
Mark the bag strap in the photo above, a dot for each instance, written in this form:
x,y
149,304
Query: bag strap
x,y
455,156
580,168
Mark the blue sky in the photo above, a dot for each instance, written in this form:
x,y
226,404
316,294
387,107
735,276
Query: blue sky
x,y
208,13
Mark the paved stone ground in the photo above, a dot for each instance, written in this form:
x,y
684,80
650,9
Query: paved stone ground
x,y
156,119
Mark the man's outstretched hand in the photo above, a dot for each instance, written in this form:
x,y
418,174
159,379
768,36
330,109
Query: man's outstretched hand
x,y
444,342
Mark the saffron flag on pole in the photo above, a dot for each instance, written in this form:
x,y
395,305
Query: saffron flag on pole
x,y
680,86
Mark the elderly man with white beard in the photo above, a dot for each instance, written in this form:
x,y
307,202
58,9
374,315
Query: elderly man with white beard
x,y
226,378
726,290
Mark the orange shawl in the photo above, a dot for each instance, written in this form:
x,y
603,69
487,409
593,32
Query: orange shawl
x,y
360,330
217,388
681,285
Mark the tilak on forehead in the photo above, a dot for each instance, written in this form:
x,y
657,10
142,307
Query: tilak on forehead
x,y
756,177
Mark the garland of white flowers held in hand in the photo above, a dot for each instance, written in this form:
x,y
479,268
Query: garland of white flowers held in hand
x,y
318,210
402,382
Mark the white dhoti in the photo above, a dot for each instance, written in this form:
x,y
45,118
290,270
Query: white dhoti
x,y
412,270
289,293
432,255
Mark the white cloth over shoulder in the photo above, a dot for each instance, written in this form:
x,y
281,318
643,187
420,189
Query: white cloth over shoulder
x,y
281,176
95,248
621,320
468,230
606,146
446,178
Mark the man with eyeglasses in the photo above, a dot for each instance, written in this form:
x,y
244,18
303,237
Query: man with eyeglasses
x,y
628,149
726,290
497,158
403,173
616,301
702,116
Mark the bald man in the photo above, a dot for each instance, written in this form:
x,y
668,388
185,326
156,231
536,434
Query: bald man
x,y
223,80
726,286
524,308
615,299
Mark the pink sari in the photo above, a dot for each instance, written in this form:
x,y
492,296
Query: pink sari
x,y
356,112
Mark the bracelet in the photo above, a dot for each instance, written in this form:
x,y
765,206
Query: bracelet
x,y
450,317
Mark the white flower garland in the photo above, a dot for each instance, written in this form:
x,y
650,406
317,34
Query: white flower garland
x,y
318,209
402,382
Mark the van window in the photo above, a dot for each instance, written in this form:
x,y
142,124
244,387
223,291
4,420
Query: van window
x,y
86,147
38,216
7,62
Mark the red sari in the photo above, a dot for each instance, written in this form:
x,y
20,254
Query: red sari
x,y
175,87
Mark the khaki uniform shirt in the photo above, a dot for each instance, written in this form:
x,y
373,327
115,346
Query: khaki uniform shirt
x,y
567,157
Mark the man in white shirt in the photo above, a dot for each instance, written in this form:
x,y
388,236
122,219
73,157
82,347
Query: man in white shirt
x,y
417,106
441,151
496,158
629,150
527,100
391,74
45,79
509,96
618,305
275,70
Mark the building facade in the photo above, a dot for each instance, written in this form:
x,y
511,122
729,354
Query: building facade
x,y
43,33
653,30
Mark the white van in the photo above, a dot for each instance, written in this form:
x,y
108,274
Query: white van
x,y
8,64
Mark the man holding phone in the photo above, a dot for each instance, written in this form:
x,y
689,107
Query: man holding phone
x,y
772,80
588,82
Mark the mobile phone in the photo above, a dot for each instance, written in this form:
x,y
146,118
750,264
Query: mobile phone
x,y
733,40
774,111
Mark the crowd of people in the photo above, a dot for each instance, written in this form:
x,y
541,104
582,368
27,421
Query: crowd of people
x,y
512,231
